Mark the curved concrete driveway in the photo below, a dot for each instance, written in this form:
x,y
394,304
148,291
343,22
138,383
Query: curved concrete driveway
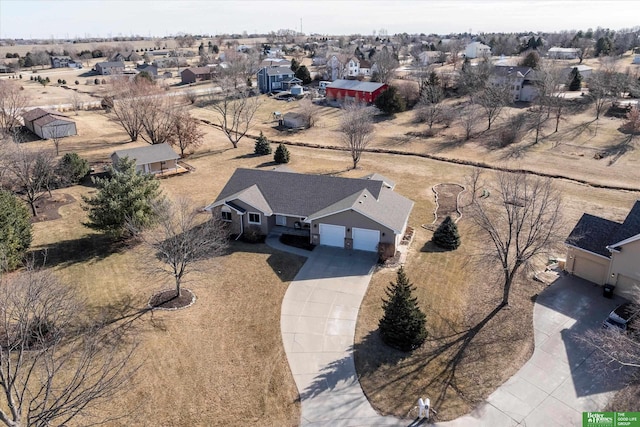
x,y
553,388
318,323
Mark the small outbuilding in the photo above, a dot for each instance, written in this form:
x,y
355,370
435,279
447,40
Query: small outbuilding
x,y
154,159
344,90
296,90
49,124
294,121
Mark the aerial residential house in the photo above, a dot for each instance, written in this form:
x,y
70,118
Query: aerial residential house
x,y
477,50
277,78
123,56
563,53
429,57
149,68
197,74
109,68
336,68
154,159
49,124
352,213
519,80
275,62
345,90
607,252
64,62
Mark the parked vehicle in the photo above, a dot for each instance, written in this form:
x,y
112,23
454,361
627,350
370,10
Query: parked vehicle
x,y
622,316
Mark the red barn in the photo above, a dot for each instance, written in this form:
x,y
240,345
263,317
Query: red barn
x,y
355,90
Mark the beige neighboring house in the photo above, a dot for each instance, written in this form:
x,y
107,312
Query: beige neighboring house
x,y
158,158
351,213
519,80
109,68
607,252
49,124
477,50
564,53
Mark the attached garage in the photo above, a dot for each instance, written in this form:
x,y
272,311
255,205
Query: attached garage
x,y
590,269
332,235
365,239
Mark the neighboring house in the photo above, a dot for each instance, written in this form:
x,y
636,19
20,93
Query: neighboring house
x,y
336,68
358,67
477,50
149,68
49,124
275,62
585,71
563,53
157,158
364,214
197,74
636,60
169,62
519,80
607,252
429,57
110,68
275,78
343,90
64,62
294,121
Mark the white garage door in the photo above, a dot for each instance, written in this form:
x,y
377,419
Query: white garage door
x,y
589,270
332,235
365,240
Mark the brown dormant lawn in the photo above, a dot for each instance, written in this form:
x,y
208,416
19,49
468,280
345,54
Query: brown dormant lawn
x,y
222,360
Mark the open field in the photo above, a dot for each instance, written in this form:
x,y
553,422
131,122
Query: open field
x,y
208,364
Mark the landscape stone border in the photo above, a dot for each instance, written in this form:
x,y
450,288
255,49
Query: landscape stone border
x,y
193,300
435,212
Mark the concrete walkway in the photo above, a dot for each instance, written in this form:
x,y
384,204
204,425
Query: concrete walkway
x,y
553,388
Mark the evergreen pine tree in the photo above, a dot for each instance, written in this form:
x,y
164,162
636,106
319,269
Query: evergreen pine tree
x,y
575,80
403,324
262,147
446,236
281,155
390,101
15,230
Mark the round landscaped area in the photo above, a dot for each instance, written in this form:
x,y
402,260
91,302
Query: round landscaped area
x,y
167,300
446,203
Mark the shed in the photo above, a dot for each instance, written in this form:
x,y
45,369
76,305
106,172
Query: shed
x,y
294,121
353,89
153,159
296,90
49,124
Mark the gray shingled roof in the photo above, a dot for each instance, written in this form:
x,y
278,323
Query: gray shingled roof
x,y
279,71
377,177
36,113
356,85
630,227
149,154
506,70
593,234
303,195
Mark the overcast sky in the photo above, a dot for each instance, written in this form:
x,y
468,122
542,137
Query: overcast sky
x,y
71,18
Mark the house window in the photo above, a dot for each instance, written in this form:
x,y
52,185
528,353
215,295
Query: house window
x,y
226,216
254,218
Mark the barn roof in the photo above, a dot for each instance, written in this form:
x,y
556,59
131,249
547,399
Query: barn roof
x,y
356,85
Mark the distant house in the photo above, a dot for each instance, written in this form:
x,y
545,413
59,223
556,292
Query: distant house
x,y
197,74
606,252
477,50
272,79
336,68
585,71
564,53
110,68
275,62
429,57
49,124
64,62
151,69
294,121
158,158
343,90
519,80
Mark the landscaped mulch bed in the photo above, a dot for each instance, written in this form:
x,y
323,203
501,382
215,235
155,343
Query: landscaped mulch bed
x,y
48,207
167,300
446,204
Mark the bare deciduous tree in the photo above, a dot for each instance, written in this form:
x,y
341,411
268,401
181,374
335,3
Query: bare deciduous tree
x,y
522,221
130,99
30,173
385,65
492,100
181,239
429,107
186,131
468,118
309,111
158,120
357,128
12,104
599,91
633,122
235,110
76,103
54,368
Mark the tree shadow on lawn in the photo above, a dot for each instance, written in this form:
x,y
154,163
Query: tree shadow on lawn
x,y
448,144
444,354
431,247
285,265
87,249
618,150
